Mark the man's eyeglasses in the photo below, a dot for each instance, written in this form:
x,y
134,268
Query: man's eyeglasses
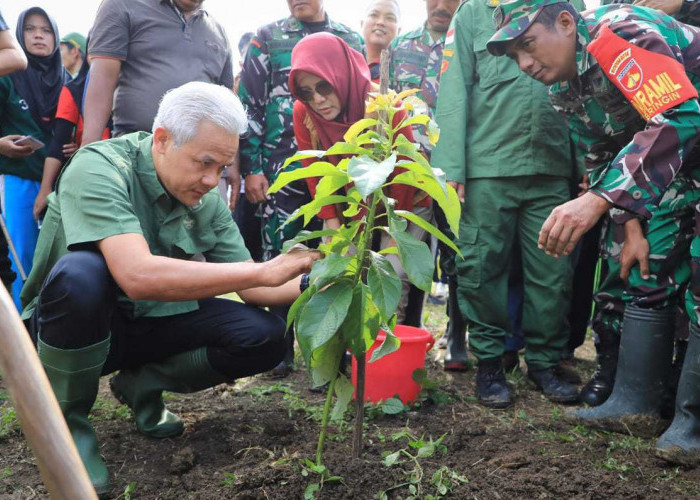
x,y
323,88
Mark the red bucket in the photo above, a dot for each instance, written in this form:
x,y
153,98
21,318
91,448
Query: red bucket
x,y
392,375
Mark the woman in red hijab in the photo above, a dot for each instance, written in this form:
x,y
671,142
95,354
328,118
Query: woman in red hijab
x,y
331,83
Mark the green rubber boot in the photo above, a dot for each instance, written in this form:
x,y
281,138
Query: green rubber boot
x,y
75,378
456,359
680,444
142,389
643,368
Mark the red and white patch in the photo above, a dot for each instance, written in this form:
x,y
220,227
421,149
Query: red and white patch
x,y
631,76
652,82
450,37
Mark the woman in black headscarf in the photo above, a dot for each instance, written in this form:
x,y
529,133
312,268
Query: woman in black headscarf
x,y
28,101
67,135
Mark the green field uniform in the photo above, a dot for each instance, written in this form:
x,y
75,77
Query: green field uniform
x,y
502,139
121,171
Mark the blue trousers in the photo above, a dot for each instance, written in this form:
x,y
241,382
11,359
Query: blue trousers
x,y
19,199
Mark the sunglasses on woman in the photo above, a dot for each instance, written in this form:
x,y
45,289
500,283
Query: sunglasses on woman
x,y
322,88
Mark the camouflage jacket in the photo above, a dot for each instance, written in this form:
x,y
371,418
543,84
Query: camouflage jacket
x,y
633,108
689,13
264,91
415,64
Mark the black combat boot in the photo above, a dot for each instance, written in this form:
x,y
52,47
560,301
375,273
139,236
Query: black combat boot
x,y
552,385
491,386
599,388
680,444
456,355
644,363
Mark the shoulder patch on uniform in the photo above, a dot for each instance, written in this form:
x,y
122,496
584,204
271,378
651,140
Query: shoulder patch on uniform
x,y
450,37
652,82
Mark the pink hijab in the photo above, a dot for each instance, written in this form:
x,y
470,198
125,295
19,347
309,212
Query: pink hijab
x,y
330,58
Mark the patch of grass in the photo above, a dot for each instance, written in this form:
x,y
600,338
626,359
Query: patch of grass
x,y
8,421
108,409
632,443
229,479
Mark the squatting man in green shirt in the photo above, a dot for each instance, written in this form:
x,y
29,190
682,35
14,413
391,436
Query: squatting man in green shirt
x,y
114,287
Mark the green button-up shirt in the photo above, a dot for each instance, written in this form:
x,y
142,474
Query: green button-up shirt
x,y
495,121
111,188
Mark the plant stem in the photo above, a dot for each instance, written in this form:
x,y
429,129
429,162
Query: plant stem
x,y
359,407
324,420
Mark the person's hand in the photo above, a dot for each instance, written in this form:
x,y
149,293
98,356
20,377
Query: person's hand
x,y
584,185
40,203
670,7
289,265
635,249
234,182
69,148
256,188
11,150
459,188
568,222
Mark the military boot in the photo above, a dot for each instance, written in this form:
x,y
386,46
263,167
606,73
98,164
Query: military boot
x,y
644,363
285,367
456,354
142,389
680,444
599,388
491,386
75,378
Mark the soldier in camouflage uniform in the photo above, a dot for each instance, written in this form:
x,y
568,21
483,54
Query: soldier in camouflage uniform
x,y
685,11
265,94
628,79
416,59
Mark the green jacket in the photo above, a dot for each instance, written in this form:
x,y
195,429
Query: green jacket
x,y
495,121
15,118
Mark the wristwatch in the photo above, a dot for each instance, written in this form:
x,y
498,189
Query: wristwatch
x,y
304,283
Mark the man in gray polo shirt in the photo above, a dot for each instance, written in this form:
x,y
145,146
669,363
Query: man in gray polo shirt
x,y
142,48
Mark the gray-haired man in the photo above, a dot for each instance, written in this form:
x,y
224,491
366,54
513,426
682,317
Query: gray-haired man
x,y
113,286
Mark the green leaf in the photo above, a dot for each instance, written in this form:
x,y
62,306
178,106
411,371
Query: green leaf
x,y
328,269
303,155
362,322
343,148
416,120
393,406
414,166
343,395
330,184
427,226
299,304
391,344
317,169
311,491
324,361
392,458
358,127
368,175
368,137
416,259
446,198
305,235
384,284
312,208
321,317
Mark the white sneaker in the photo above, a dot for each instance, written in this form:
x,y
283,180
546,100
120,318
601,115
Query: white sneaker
x,y
442,290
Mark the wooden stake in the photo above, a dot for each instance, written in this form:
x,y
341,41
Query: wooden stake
x,y
37,409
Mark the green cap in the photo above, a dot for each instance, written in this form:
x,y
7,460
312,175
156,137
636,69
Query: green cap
x,y
512,19
76,40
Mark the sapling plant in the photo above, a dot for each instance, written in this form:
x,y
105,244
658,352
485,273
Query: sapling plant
x,y
354,291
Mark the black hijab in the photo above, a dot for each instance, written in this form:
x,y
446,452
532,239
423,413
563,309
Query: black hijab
x,y
40,84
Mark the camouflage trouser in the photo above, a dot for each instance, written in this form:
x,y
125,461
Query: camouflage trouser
x,y
277,210
669,233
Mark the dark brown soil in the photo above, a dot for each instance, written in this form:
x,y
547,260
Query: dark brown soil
x,y
248,441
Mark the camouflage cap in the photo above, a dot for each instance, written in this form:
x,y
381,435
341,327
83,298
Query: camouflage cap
x,y
512,19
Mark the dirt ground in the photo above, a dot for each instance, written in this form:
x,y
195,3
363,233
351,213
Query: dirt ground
x,y
249,441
